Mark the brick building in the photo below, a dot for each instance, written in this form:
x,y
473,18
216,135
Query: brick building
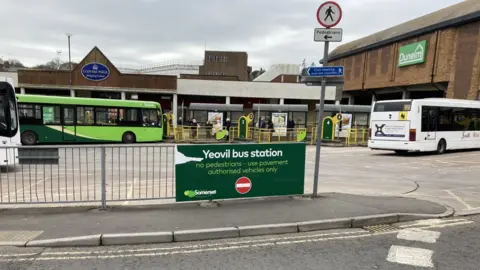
x,y
437,55
226,63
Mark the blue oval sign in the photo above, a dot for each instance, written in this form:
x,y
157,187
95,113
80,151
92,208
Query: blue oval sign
x,y
95,72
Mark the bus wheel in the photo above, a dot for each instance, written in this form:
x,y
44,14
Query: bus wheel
x,y
128,137
29,138
442,147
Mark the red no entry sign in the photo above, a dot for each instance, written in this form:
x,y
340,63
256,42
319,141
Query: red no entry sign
x,y
243,185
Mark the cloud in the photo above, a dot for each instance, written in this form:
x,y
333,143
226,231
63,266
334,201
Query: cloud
x,y
147,32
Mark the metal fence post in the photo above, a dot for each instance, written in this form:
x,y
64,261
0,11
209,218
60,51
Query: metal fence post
x,y
103,178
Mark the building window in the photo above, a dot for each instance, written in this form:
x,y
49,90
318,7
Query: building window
x,y
217,58
209,58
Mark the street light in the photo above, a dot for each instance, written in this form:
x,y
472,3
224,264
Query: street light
x,y
70,64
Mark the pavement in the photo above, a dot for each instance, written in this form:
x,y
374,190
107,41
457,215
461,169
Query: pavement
x,y
450,243
227,219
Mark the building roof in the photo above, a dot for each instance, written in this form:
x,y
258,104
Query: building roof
x,y
461,13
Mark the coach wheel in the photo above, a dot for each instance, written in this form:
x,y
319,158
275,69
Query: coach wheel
x,y
128,137
442,147
29,138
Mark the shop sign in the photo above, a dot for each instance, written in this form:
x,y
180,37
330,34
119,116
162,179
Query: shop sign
x,y
95,72
225,171
412,54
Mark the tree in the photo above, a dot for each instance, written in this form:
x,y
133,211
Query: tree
x,y
12,63
257,73
56,64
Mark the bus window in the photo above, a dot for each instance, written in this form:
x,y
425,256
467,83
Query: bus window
x,y
84,115
150,118
105,116
128,116
397,106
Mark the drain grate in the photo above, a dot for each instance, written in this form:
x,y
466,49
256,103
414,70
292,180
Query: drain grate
x,y
382,228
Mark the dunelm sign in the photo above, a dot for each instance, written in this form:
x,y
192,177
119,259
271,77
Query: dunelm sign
x,y
95,72
412,54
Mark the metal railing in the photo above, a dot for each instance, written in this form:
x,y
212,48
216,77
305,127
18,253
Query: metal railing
x,y
78,174
357,137
350,137
208,134
202,134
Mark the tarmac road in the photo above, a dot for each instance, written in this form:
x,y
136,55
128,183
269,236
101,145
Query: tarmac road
x,y
147,173
428,244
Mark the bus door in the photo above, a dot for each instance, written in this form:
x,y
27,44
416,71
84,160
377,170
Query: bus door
x,y
429,122
69,129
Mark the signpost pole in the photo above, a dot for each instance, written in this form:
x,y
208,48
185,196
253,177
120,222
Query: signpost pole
x,y
320,122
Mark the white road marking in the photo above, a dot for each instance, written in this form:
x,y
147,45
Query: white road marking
x,y
18,255
459,199
180,251
419,235
410,256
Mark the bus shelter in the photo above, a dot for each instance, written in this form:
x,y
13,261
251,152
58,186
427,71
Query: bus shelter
x,y
209,113
281,112
353,116
280,115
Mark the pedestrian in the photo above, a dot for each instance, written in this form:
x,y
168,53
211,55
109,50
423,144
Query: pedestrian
x,y
209,129
270,128
228,124
194,128
290,128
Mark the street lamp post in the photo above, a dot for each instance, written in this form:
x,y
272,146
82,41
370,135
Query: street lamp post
x,y
72,94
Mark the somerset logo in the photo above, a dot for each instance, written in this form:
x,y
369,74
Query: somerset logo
x,y
199,193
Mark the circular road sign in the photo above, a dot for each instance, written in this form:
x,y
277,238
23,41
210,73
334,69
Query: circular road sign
x,y
243,185
329,14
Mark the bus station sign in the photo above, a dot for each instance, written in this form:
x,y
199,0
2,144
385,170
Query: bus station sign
x,y
225,171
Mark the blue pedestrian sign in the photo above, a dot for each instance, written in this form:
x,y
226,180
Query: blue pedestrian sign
x,y
325,71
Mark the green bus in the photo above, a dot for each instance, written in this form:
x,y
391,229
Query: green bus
x,y
51,119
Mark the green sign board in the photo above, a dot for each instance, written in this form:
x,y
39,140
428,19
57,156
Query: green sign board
x,y
221,171
412,54
48,115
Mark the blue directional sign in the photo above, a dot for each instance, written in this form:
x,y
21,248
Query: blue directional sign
x,y
329,71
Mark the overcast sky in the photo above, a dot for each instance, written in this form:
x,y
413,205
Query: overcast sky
x,y
139,33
